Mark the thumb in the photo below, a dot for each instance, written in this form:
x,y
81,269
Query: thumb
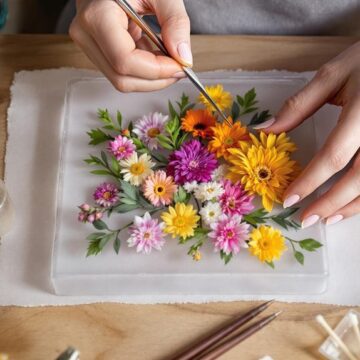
x,y
175,29
305,103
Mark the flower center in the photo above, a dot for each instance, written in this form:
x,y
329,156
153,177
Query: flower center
x,y
153,132
263,173
199,126
231,203
179,221
107,195
265,244
211,213
229,141
229,233
193,164
121,149
137,169
147,235
159,190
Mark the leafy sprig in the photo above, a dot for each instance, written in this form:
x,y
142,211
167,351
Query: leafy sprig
x,y
306,244
259,118
244,104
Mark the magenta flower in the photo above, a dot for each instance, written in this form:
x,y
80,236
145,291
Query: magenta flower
x,y
146,234
229,234
106,194
149,127
235,199
121,147
192,162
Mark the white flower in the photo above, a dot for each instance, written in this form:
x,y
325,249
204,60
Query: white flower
x,y
210,212
219,173
190,186
136,169
208,191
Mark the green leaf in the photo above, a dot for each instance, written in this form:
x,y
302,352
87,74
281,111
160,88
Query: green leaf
x,y
165,145
93,248
129,190
288,212
116,244
124,208
181,140
225,257
164,138
172,111
119,118
115,167
299,256
104,158
181,196
310,244
160,157
97,136
259,118
126,200
105,240
95,235
271,264
100,172
104,116
247,102
100,225
235,110
93,160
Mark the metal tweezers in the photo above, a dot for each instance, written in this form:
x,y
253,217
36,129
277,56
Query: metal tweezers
x,y
133,15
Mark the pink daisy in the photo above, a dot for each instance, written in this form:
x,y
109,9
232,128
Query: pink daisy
x,y
229,234
146,234
121,147
235,200
159,188
149,127
106,194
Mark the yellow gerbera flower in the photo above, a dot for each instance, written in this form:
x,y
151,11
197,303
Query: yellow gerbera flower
x,y
136,169
280,142
267,243
222,98
262,170
180,220
226,137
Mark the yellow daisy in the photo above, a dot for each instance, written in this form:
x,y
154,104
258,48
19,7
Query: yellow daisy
x,y
267,243
222,98
180,220
136,169
226,137
280,142
262,170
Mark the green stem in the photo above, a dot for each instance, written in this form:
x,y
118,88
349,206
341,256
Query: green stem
x,y
198,207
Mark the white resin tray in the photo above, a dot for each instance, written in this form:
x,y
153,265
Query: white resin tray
x,y
169,272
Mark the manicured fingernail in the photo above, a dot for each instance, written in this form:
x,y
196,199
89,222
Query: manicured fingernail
x,y
179,75
185,53
309,221
265,124
333,219
291,200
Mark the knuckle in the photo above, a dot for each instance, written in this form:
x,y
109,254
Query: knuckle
x,y
122,85
337,158
178,21
121,66
294,103
327,71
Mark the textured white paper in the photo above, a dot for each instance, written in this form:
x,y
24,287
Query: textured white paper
x,y
31,173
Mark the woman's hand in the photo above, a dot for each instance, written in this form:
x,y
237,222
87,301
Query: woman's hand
x,y
337,82
116,46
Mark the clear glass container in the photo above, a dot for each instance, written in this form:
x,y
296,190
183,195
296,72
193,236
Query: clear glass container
x,y
6,210
169,273
330,350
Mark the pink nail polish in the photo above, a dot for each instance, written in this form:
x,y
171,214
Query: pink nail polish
x,y
265,124
185,53
291,200
334,219
309,221
179,75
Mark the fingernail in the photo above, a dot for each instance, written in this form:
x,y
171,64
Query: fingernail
x,y
311,220
185,53
334,219
179,75
291,200
265,124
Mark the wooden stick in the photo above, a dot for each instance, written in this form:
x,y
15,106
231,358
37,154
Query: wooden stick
x,y
221,333
321,320
238,338
355,325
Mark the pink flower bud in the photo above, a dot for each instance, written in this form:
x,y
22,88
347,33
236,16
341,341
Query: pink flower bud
x,y
98,215
91,218
85,207
82,217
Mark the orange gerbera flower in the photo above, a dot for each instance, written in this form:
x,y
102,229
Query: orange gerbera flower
x,y
226,137
199,123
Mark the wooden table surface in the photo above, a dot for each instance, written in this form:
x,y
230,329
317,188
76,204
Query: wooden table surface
x,y
117,331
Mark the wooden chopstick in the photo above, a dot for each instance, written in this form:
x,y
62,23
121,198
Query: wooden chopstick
x,y
229,343
222,333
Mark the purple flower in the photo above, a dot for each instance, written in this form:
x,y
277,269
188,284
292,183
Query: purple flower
x,y
235,200
192,162
146,234
121,147
229,234
106,194
149,127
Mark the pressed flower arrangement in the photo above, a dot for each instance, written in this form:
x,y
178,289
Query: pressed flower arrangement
x,y
195,181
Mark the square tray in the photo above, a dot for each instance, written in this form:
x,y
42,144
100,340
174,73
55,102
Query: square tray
x,y
169,272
